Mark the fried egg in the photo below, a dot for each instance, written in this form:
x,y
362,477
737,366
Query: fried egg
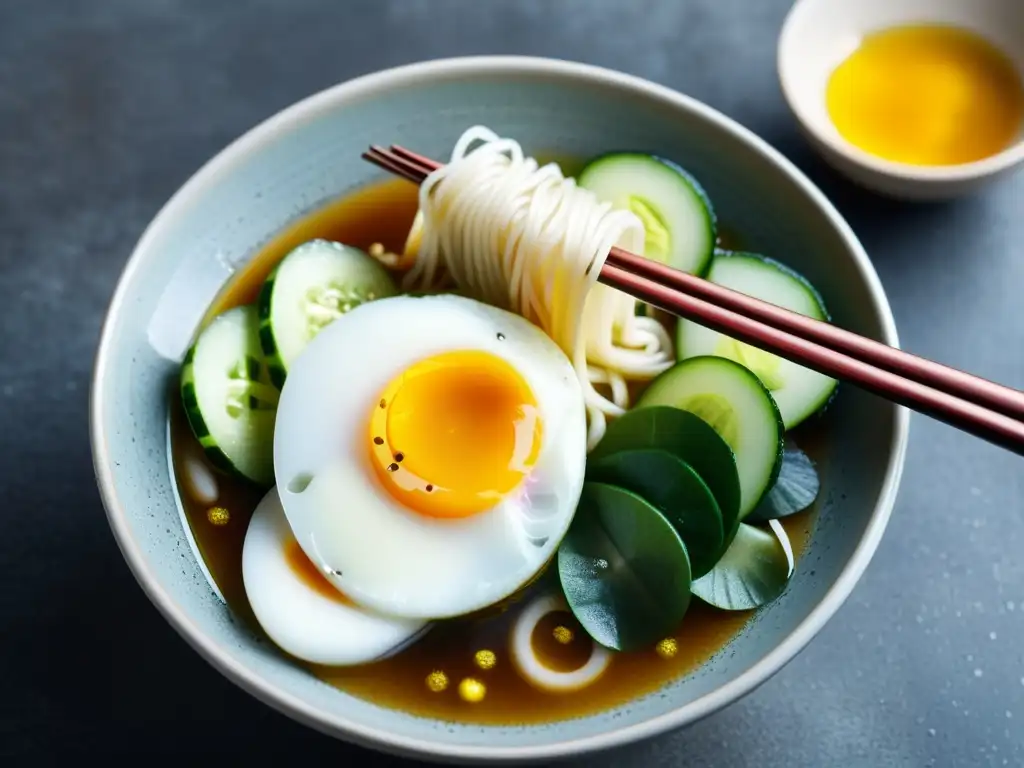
x,y
302,612
430,453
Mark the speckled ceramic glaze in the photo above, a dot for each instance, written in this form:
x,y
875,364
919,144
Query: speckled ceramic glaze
x,y
310,153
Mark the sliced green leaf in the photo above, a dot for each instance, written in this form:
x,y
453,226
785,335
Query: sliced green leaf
x,y
624,569
794,491
691,439
752,572
675,489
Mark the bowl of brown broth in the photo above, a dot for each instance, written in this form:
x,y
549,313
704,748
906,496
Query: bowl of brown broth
x,y
911,98
450,688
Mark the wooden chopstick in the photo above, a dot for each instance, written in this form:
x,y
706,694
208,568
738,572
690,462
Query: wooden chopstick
x,y
968,416
988,393
980,407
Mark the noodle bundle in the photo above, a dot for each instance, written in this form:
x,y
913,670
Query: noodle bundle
x,y
526,238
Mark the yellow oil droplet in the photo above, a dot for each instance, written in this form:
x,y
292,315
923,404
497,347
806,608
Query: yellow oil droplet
x,y
218,516
437,681
485,659
563,635
472,690
667,648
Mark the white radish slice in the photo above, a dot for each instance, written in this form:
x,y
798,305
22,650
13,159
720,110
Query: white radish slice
x,y
533,669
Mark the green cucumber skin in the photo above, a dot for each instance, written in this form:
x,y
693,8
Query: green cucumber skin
x,y
785,269
696,188
711,218
275,365
664,382
252,463
217,458
264,307
815,408
811,291
781,450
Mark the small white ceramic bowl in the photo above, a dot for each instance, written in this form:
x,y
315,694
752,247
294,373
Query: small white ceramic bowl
x,y
818,34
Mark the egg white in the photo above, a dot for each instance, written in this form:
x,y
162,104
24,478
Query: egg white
x,y
379,552
301,621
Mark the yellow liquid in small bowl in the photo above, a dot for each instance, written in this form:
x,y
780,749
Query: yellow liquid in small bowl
x,y
927,95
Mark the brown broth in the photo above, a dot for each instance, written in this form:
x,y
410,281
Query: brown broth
x,y
383,213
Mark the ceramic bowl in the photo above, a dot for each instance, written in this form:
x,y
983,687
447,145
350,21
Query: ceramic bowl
x,y
818,34
309,154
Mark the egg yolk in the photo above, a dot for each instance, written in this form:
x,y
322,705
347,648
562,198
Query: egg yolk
x,y
927,95
453,433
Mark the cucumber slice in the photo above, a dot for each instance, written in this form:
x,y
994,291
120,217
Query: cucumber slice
x,y
229,399
736,404
678,219
314,285
798,391
753,571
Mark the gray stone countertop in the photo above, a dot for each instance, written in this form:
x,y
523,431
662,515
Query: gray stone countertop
x,y
106,107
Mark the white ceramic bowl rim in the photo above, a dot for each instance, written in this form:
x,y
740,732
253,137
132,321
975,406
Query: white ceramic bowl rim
x,y
410,75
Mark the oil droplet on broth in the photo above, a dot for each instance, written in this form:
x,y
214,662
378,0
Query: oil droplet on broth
x,y
667,648
218,516
437,681
563,635
472,690
560,643
927,95
485,659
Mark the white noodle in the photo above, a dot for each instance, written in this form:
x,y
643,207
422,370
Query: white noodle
x,y
526,238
